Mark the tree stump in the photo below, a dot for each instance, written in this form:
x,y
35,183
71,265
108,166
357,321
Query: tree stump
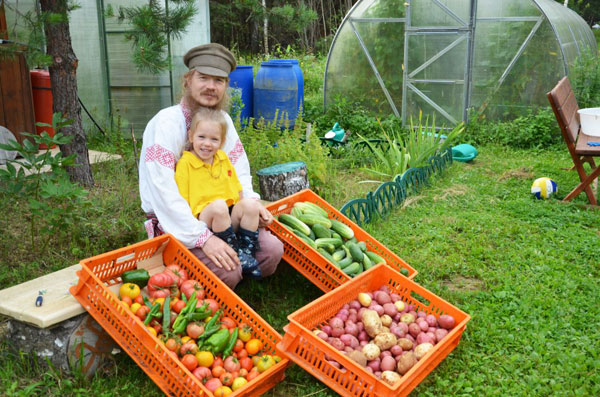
x,y
76,343
281,180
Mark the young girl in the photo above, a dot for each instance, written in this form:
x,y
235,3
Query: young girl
x,y
207,181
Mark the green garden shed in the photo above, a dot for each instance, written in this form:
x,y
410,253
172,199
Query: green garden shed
x,y
444,57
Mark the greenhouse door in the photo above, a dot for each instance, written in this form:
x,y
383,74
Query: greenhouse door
x,y
437,58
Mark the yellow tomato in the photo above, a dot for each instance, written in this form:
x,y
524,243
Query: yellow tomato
x,y
222,391
253,346
185,339
207,319
245,332
159,300
151,330
129,289
205,358
173,300
134,307
238,383
276,358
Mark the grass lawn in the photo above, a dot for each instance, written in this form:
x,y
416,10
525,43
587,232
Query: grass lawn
x,y
527,272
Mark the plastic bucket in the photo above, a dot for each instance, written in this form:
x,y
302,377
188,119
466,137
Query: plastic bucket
x,y
241,80
42,100
276,93
590,121
299,79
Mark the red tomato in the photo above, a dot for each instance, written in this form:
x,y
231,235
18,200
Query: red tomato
x,y
213,384
127,300
142,312
246,363
161,285
194,330
242,354
189,286
218,371
178,274
172,344
189,361
252,374
178,306
139,299
243,372
188,348
226,379
231,364
239,345
218,362
228,322
213,305
202,373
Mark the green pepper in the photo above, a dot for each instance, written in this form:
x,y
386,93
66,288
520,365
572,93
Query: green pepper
x,y
212,326
218,341
153,313
230,343
184,316
138,276
166,316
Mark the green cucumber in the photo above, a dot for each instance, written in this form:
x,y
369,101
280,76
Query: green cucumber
x,y
356,252
339,255
312,219
294,222
352,269
342,229
362,245
375,258
367,262
321,231
346,261
325,241
328,256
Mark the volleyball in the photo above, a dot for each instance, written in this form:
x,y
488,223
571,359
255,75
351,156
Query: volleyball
x,y
543,188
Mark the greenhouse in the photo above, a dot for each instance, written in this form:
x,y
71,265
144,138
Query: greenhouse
x,y
442,58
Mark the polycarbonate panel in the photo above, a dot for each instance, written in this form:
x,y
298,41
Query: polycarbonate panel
x,y
438,13
91,77
122,70
526,83
494,9
440,56
449,96
135,106
380,9
387,56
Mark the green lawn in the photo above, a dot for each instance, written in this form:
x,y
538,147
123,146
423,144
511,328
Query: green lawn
x,y
527,272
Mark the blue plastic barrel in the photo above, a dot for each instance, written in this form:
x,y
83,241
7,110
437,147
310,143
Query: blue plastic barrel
x,y
241,80
299,78
276,93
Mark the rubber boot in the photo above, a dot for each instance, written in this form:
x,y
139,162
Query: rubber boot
x,y
248,262
249,245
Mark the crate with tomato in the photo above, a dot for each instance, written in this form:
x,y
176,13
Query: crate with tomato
x,y
189,319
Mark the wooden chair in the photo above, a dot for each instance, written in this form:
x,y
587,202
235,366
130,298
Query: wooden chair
x,y
563,102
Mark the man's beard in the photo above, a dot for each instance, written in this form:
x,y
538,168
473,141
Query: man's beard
x,y
195,105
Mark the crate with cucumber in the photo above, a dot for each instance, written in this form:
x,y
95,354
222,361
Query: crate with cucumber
x,y
331,238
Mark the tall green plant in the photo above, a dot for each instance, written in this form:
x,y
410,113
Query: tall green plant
x,y
586,79
40,179
423,141
393,157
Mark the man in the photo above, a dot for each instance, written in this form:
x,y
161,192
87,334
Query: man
x,y
205,84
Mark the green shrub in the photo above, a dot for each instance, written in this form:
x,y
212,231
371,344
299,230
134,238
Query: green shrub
x,y
536,129
585,80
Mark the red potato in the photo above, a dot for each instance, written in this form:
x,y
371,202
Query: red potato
x,y
326,329
351,328
355,304
423,325
446,321
395,297
440,334
322,335
374,364
421,314
337,343
337,332
390,309
425,337
388,363
362,336
414,329
431,320
336,322
378,308
396,350
382,297
349,340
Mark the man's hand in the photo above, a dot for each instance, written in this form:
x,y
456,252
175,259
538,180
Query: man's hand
x,y
220,253
264,217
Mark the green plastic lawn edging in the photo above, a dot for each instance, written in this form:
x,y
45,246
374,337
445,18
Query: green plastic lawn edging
x,y
380,203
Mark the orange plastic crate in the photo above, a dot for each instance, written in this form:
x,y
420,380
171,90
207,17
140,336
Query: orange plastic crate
x,y
309,261
102,272
312,353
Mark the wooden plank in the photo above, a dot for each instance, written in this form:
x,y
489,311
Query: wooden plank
x,y
17,99
18,301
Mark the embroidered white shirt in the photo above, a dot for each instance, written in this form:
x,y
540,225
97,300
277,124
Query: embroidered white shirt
x,y
163,143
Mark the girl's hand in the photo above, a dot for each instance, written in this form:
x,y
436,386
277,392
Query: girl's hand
x,y
265,218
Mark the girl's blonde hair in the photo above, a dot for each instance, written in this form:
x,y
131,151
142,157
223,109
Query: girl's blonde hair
x,y
207,114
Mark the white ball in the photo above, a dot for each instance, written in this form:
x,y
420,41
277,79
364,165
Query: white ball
x,y
543,188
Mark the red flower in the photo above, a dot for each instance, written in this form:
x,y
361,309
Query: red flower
x,y
229,172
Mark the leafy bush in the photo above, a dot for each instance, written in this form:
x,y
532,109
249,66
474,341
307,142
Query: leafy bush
x,y
536,129
266,144
585,80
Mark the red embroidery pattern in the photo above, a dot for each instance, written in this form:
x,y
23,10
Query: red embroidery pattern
x,y
203,237
162,156
228,172
149,228
236,152
187,114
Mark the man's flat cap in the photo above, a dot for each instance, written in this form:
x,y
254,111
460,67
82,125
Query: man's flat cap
x,y
212,59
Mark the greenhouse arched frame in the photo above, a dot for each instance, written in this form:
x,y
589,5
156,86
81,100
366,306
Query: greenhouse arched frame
x,y
441,58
